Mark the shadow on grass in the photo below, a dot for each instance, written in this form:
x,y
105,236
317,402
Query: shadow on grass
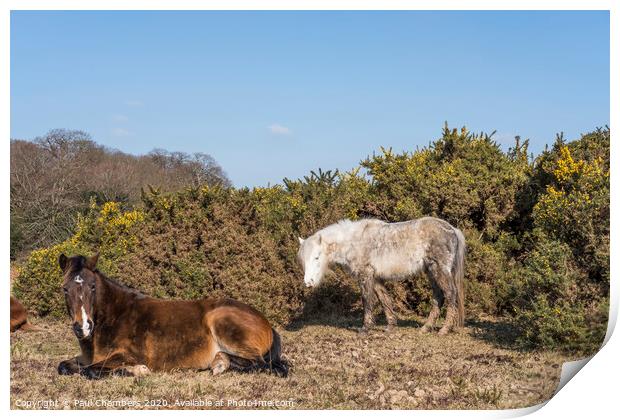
x,y
497,332
349,322
338,304
333,303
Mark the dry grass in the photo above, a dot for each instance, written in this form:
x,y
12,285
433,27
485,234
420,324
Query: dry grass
x,y
332,366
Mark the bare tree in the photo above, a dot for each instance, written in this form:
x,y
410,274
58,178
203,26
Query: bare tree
x,y
54,177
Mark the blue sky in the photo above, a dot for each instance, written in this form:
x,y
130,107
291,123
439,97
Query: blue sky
x,y
276,94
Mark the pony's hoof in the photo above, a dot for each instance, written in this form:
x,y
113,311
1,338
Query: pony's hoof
x,y
425,329
280,369
138,370
142,370
363,331
64,368
444,331
91,373
218,369
390,328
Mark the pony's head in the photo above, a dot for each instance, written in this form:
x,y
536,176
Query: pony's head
x,y
312,256
79,288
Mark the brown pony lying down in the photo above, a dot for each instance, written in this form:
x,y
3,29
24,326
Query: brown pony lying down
x,y
121,331
19,317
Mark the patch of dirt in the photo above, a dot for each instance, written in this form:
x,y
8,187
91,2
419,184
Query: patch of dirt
x,y
332,367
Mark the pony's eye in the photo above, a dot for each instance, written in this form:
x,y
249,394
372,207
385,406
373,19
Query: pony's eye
x,y
65,290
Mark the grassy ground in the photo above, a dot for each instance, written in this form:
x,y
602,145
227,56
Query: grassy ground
x,y
332,366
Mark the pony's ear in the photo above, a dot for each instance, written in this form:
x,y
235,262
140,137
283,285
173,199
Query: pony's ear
x,y
301,240
62,261
91,262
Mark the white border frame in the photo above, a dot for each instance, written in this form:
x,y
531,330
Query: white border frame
x,y
594,393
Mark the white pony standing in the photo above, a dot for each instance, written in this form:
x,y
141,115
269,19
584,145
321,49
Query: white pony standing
x,y
374,251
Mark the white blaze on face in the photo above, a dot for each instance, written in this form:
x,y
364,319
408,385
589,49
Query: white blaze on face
x,y
85,326
313,265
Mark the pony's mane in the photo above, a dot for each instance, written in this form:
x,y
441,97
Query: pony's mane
x,y
77,262
119,285
345,228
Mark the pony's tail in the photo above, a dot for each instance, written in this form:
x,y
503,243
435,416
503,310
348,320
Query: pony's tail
x,y
273,358
458,275
271,362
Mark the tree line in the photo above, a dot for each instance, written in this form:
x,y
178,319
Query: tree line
x,y
55,177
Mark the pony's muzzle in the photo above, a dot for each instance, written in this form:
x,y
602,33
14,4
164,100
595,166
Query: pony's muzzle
x,y
80,332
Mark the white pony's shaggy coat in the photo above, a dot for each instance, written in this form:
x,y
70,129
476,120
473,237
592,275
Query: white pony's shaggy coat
x,y
373,250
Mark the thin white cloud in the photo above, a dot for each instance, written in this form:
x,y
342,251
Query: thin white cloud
x,y
120,118
120,132
279,129
134,103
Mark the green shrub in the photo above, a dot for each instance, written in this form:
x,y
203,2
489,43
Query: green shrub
x,y
545,298
568,326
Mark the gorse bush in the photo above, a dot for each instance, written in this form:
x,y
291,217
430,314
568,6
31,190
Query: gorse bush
x,y
574,206
537,232
107,229
463,177
564,279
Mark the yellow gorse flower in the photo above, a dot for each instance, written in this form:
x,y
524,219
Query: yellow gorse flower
x,y
568,169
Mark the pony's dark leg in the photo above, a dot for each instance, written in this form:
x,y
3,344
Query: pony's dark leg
x,y
441,279
437,303
116,364
451,312
367,281
71,366
386,302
